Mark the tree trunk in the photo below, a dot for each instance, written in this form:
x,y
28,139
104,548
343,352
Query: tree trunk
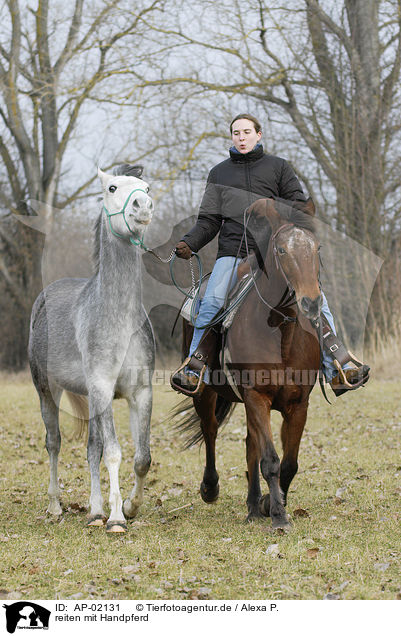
x,y
20,283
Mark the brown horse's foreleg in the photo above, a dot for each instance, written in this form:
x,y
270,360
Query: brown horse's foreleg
x,y
257,408
254,492
205,407
291,433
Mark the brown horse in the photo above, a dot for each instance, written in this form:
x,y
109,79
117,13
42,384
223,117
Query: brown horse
x,y
274,357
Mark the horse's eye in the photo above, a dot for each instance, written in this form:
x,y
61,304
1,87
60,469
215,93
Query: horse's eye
x,y
147,189
281,250
112,188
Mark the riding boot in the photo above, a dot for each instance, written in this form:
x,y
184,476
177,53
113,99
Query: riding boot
x,y
189,377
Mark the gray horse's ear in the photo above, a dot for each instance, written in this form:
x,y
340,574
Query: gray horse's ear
x,y
127,170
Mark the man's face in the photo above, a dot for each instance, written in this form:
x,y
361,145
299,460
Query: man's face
x,y
244,135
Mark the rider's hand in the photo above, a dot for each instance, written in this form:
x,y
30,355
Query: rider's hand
x,y
183,250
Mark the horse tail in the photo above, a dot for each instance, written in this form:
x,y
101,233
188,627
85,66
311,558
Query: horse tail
x,y
80,410
190,421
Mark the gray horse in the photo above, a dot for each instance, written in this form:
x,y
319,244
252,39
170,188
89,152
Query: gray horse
x,y
92,339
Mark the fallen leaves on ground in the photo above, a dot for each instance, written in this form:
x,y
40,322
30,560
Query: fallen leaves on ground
x,y
301,512
312,553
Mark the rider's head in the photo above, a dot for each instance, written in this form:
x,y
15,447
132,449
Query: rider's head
x,y
246,132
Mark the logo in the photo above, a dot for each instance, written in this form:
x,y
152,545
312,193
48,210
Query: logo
x,y
26,615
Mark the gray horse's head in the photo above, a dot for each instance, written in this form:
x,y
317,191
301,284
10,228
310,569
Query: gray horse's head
x,y
127,203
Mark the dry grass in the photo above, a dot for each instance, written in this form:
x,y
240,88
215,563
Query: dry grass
x,y
387,359
349,484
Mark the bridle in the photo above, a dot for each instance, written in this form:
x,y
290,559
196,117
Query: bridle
x,y
276,256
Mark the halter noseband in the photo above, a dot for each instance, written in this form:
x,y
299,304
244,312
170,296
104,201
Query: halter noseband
x,y
122,211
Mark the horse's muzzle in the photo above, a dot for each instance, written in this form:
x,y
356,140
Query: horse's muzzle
x,y
311,308
143,221
141,209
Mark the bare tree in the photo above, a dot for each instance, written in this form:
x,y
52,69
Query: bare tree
x,y
59,63
328,72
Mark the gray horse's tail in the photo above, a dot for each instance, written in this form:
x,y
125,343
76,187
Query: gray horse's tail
x,y
80,410
190,420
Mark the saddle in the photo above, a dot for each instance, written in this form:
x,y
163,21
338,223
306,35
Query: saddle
x,y
207,353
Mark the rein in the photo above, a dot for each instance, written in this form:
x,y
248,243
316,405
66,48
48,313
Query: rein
x,y
286,319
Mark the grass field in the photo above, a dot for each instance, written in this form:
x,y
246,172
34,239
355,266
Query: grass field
x,y
344,503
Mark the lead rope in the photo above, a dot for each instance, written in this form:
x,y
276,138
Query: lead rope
x,y
170,259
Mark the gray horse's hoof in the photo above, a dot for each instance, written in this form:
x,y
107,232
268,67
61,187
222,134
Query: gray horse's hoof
x,y
97,521
54,509
116,527
130,509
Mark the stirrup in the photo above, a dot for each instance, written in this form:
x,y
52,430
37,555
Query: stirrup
x,y
199,386
342,374
341,384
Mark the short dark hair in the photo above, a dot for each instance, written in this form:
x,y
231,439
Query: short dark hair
x,y
251,118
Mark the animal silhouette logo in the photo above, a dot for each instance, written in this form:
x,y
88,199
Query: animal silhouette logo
x,y
26,615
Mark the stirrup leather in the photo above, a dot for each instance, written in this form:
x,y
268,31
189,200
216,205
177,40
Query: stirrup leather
x,y
340,355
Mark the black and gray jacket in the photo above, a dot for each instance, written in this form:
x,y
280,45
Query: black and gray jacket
x,y
231,187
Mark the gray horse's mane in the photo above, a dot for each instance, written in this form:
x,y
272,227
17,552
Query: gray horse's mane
x,y
97,226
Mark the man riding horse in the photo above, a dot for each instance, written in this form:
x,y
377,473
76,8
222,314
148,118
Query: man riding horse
x,y
233,185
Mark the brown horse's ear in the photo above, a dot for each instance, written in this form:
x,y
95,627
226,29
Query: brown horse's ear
x,y
264,208
309,207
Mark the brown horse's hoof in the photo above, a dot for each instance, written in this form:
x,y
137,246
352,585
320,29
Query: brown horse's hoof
x,y
116,527
209,494
281,526
96,521
264,506
253,516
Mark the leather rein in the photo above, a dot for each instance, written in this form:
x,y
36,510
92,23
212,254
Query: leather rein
x,y
290,289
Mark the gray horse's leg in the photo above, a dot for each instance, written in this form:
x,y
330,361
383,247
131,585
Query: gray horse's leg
x,y
140,413
94,453
103,437
49,405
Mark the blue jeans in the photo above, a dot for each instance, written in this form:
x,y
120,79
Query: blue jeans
x,y
224,276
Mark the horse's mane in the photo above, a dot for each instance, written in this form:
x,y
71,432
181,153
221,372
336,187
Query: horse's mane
x,y
97,226
296,214
302,220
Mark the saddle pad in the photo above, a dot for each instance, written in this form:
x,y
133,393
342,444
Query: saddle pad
x,y
236,298
190,306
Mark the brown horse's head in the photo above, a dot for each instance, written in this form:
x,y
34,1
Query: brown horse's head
x,y
295,250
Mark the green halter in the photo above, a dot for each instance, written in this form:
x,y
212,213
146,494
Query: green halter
x,y
137,242
141,244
